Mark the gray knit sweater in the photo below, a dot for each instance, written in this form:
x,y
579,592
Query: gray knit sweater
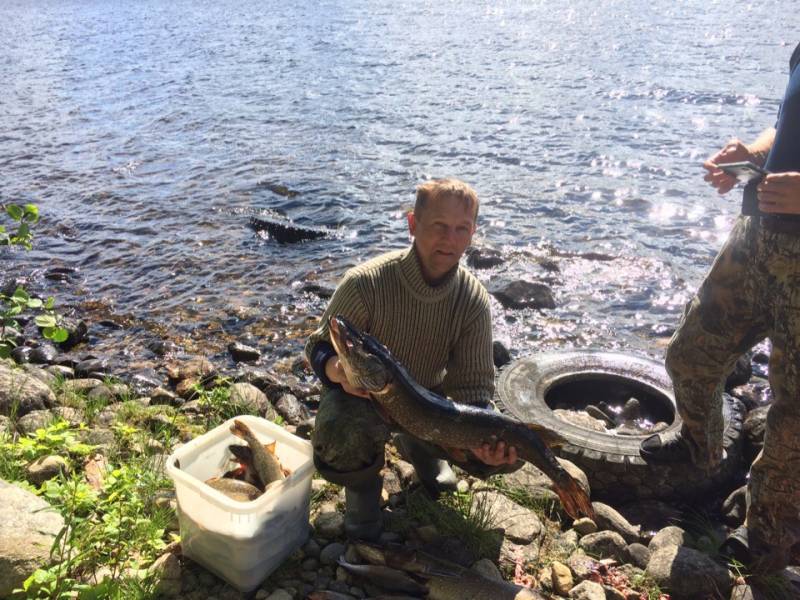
x,y
442,334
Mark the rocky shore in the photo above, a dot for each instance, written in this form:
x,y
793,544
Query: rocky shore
x,y
65,416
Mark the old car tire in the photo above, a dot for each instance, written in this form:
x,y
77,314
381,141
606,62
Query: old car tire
x,y
612,462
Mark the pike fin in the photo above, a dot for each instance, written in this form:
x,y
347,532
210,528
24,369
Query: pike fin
x,y
548,436
270,447
574,498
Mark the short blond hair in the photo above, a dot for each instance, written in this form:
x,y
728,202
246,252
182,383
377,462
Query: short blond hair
x,y
433,190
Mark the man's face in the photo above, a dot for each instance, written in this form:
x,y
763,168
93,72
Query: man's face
x,y
442,232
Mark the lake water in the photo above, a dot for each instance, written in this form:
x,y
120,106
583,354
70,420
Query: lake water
x,y
150,132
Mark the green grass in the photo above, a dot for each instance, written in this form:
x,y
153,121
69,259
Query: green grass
x,y
466,517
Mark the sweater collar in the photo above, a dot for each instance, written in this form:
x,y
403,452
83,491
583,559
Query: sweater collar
x,y
411,274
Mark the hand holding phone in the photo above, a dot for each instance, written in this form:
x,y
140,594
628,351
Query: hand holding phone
x,y
744,171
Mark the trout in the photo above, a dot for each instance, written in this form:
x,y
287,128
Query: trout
x,y
234,488
265,464
368,364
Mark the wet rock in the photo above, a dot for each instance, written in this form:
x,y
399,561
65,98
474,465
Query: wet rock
x,y
43,354
483,258
588,590
45,468
28,527
742,371
243,353
162,348
76,333
608,518
286,232
522,294
318,290
500,354
20,393
92,367
21,354
142,384
687,573
735,507
604,543
199,368
291,409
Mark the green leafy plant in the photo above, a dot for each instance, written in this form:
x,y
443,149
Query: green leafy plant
x,y
12,306
24,216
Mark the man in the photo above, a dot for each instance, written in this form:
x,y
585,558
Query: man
x,y
751,292
434,316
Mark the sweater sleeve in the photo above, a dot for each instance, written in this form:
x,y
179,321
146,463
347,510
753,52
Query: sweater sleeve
x,y
470,370
347,300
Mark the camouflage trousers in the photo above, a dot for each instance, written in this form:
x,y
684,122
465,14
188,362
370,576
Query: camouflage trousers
x,y
752,292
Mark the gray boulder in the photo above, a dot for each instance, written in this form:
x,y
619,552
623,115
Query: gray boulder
x,y
521,524
252,399
604,543
608,518
687,573
669,536
27,529
20,393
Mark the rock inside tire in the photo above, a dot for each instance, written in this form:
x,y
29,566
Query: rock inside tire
x,y
529,388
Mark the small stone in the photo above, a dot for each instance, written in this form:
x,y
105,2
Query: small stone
x,y
46,468
462,486
488,569
43,354
584,526
329,524
637,554
243,353
311,548
280,594
671,535
330,554
160,396
588,590
604,543
500,354
561,578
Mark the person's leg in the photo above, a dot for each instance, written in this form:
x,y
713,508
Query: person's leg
x,y
429,462
773,516
348,439
719,324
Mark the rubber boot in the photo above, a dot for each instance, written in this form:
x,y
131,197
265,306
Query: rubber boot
x,y
434,473
363,518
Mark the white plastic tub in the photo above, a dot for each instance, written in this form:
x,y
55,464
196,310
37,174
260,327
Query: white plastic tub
x,y
241,542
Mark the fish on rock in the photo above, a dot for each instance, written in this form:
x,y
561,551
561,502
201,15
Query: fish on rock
x,y
368,364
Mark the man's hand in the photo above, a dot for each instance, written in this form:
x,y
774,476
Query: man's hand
x,y
734,151
496,453
780,193
335,372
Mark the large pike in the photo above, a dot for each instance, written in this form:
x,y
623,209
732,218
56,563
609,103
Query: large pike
x,y
368,364
265,463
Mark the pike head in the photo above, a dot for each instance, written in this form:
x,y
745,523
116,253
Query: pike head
x,y
360,355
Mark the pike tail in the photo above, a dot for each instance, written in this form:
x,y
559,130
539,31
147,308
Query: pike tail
x,y
573,497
